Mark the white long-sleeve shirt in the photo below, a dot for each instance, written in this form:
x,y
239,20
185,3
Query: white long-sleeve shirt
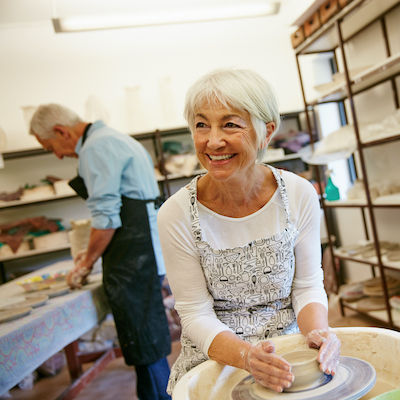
x,y
185,275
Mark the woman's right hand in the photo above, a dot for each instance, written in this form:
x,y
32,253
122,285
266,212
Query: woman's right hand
x,y
268,368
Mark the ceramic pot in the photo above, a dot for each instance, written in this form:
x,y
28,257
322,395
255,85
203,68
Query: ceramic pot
x,y
305,368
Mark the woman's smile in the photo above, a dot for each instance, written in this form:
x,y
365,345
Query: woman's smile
x,y
220,157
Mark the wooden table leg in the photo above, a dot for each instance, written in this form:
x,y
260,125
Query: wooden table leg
x,y
88,376
74,364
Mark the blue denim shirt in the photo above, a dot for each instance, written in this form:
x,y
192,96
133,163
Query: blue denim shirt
x,y
113,164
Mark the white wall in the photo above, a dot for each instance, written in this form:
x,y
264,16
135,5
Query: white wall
x,y
41,66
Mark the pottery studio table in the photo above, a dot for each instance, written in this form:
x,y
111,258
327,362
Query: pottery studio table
x,y
26,342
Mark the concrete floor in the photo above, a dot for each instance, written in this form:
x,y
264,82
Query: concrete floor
x,y
118,381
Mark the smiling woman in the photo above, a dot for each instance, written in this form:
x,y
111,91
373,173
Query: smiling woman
x,y
241,243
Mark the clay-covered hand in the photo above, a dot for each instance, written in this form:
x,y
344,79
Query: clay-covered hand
x,y
268,368
80,257
78,275
329,348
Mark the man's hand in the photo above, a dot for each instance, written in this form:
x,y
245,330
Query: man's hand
x,y
78,275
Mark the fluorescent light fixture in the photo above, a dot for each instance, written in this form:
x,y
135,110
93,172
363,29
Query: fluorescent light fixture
x,y
247,9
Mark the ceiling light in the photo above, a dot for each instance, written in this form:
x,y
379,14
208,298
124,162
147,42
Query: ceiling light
x,y
248,9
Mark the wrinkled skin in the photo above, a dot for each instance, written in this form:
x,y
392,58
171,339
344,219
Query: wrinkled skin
x,y
77,277
329,349
268,368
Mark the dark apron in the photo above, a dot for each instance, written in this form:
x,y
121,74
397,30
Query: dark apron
x,y
132,286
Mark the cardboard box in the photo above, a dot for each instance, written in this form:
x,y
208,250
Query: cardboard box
x,y
328,10
297,37
312,24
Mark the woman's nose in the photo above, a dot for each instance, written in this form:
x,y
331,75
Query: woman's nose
x,y
216,138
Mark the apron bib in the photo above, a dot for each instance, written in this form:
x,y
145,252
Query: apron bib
x,y
251,285
133,288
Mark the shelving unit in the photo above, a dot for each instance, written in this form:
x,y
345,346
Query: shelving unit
x,y
332,37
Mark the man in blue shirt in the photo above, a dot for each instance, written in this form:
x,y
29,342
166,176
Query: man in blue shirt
x,y
116,177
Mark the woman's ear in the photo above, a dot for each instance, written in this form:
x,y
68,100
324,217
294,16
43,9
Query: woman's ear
x,y
270,131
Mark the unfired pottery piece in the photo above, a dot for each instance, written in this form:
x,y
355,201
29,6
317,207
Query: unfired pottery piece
x,y
9,315
56,290
34,300
305,369
353,379
371,304
10,301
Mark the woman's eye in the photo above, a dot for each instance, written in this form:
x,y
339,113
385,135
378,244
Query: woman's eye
x,y
231,125
200,124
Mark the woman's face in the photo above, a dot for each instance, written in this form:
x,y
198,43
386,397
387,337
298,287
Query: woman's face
x,y
225,140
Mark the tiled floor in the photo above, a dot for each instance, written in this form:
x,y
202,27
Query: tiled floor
x,y
118,381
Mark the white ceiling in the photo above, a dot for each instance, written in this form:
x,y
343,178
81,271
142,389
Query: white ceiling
x,y
14,12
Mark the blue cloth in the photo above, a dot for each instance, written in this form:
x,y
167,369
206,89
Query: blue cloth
x,y
113,164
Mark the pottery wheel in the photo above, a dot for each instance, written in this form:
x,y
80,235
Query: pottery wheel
x,y
353,379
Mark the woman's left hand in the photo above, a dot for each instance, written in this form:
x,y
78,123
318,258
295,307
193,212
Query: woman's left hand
x,y
329,348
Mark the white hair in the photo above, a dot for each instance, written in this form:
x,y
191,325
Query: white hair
x,y
238,88
47,116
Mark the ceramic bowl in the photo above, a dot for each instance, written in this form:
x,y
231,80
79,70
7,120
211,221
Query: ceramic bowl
x,y
305,368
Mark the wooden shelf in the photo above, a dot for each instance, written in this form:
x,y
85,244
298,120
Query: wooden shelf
x,y
287,157
361,204
18,203
12,155
382,140
370,77
172,177
381,316
393,265
163,133
355,16
36,252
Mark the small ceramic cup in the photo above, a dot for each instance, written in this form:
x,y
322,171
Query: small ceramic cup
x,y
305,368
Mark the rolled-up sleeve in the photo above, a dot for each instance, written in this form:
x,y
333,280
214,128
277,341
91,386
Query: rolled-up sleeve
x,y
101,170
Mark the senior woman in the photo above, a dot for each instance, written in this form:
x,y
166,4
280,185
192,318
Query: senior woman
x,y
241,243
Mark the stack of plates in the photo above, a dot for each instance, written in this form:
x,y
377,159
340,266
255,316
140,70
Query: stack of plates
x,y
371,304
395,302
352,292
373,287
14,313
18,306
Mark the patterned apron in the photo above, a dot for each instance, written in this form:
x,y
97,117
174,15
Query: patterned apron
x,y
251,285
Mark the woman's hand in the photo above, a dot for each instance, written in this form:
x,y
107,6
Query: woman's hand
x,y
267,368
329,349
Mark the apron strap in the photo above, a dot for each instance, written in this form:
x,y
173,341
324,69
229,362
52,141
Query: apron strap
x,y
283,192
158,201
